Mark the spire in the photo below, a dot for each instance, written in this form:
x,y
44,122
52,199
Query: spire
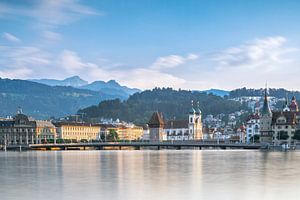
x,y
294,105
192,110
266,109
198,111
286,106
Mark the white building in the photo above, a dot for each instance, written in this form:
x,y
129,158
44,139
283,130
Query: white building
x,y
252,127
189,129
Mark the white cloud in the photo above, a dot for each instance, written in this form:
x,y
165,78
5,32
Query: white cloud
x,y
22,61
137,77
267,54
172,61
52,36
50,12
10,37
20,73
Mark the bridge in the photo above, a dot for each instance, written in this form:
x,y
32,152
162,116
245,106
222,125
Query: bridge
x,y
135,145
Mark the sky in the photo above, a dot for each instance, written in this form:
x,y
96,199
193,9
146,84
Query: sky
x,y
190,44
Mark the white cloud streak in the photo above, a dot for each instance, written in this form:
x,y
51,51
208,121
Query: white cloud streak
x,y
266,53
172,61
10,37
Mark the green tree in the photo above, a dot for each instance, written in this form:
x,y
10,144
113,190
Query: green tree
x,y
296,135
256,138
282,135
112,136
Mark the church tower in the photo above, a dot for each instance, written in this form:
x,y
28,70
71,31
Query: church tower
x,y
156,125
294,105
266,121
198,124
192,121
195,123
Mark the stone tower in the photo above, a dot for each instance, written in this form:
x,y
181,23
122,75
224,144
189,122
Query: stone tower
x,y
266,121
156,125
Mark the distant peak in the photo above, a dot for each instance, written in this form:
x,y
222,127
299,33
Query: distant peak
x,y
74,78
113,82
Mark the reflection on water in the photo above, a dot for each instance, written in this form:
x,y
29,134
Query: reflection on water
x,y
150,175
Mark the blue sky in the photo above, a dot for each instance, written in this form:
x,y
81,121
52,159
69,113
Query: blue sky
x,y
189,44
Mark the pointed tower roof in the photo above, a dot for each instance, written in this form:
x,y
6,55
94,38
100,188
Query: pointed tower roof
x,y
286,106
266,108
294,105
156,121
192,110
198,111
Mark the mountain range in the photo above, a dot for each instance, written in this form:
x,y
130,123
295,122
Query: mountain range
x,y
56,97
110,87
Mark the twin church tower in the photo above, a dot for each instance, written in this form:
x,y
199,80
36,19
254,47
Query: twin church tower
x,y
187,129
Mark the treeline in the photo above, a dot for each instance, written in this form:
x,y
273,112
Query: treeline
x,y
278,93
174,104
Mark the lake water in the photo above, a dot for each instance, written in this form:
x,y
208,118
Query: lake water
x,y
226,175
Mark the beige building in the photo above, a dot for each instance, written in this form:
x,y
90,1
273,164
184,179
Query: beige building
x,y
77,131
45,131
129,133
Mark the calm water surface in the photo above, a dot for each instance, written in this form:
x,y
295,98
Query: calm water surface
x,y
226,175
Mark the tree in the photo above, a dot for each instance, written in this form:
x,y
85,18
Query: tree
x,y
256,138
282,135
112,136
296,135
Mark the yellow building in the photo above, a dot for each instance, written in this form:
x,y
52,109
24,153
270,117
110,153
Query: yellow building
x,y
77,131
129,133
45,130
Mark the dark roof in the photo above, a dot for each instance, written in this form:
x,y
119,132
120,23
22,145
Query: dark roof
x,y
156,121
253,116
290,117
58,124
176,124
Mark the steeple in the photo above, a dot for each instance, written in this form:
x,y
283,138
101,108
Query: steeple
x,y
198,111
192,110
286,106
294,105
266,108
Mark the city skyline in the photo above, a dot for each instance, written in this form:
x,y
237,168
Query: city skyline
x,y
144,44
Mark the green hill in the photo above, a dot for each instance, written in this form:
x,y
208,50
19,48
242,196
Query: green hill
x,y
174,104
43,101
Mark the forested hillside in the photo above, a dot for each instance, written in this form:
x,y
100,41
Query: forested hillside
x,y
173,103
278,93
43,101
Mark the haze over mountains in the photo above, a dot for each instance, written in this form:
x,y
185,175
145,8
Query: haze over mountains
x,y
111,87
49,97
43,98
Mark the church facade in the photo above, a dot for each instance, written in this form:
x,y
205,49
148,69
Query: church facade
x,y
279,127
176,130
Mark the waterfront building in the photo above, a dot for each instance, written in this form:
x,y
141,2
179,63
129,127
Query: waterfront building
x,y
77,131
189,129
129,133
279,127
186,129
266,132
45,131
156,125
20,130
252,127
